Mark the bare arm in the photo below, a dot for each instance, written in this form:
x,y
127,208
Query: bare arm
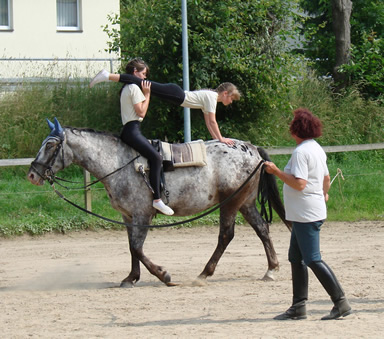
x,y
141,108
296,183
213,128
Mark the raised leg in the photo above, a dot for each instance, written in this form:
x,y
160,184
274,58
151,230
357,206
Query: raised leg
x,y
227,232
136,238
251,214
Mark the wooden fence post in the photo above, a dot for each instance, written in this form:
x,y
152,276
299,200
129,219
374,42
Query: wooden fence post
x,y
87,191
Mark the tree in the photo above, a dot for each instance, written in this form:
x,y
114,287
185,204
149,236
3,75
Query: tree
x,y
341,13
321,27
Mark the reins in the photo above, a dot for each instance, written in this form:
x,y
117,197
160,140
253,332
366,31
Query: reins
x,y
214,208
52,179
55,178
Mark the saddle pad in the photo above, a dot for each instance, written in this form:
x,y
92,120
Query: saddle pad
x,y
181,155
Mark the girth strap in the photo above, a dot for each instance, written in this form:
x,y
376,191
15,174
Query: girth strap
x,y
157,145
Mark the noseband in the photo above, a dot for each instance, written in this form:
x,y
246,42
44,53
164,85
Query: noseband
x,y
48,173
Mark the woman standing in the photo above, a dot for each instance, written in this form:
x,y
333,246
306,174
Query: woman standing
x,y
306,184
134,105
205,99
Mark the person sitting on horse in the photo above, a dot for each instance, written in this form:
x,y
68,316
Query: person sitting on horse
x,y
134,104
204,99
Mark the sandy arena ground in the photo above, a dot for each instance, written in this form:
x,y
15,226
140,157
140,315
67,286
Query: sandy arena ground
x,y
66,286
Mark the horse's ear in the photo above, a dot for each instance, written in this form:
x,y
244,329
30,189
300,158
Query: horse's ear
x,y
58,129
50,124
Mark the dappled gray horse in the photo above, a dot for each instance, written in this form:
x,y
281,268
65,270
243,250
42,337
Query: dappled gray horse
x,y
192,189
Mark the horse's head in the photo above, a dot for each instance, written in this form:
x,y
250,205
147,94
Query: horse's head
x,y
50,158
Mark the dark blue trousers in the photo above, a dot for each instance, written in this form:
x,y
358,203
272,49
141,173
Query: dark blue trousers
x,y
305,242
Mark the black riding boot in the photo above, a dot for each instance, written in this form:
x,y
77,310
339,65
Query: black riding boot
x,y
300,294
328,279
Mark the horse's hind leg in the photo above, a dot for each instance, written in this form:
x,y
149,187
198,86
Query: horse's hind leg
x,y
251,214
227,232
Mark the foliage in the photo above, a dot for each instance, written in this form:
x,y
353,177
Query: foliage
x,y
367,20
23,113
222,37
367,66
348,118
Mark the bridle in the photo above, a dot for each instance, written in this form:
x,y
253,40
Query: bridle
x,y
48,173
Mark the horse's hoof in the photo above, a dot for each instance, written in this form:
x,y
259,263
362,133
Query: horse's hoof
x,y
171,284
126,284
167,278
269,276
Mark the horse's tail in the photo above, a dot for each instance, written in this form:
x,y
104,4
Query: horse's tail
x,y
268,194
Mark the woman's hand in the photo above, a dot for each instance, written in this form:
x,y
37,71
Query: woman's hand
x,y
146,88
296,183
142,107
270,167
227,141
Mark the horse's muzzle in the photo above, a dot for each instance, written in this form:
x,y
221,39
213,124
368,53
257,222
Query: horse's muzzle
x,y
35,179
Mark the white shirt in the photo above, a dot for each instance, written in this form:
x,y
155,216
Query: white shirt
x,y
308,162
204,99
130,96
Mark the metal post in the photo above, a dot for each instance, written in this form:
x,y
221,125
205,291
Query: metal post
x,y
187,111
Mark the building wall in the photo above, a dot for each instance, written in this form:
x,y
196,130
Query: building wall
x,y
34,34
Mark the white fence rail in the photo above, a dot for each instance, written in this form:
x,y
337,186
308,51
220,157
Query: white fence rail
x,y
330,149
271,151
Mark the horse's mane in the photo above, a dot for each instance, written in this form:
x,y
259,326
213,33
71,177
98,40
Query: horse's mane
x,y
77,130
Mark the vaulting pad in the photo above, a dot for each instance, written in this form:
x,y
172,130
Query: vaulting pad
x,y
180,155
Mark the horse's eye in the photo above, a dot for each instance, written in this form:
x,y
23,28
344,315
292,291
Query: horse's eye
x,y
49,145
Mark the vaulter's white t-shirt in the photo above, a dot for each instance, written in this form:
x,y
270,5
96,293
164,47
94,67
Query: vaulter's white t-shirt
x,y
203,99
130,96
308,162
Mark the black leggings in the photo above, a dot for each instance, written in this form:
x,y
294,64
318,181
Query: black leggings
x,y
132,136
171,92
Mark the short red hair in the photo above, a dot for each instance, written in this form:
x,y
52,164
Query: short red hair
x,y
305,125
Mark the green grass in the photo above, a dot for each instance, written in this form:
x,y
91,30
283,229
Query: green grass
x,y
37,210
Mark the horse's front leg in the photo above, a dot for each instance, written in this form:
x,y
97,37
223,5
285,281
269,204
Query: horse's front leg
x,y
134,275
137,236
251,214
227,232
